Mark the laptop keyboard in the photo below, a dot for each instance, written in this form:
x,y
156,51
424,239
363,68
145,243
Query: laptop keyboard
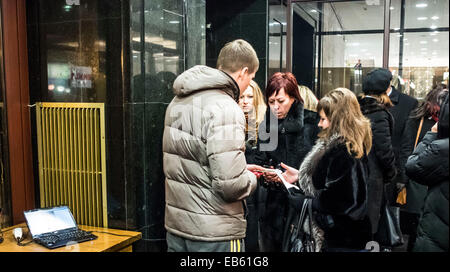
x,y
76,235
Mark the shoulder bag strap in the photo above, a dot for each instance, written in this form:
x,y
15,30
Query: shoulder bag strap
x,y
301,218
418,132
310,214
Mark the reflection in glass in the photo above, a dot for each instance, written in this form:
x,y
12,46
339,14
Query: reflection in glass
x,y
348,44
418,53
433,15
196,36
163,34
346,58
76,43
425,61
277,39
354,15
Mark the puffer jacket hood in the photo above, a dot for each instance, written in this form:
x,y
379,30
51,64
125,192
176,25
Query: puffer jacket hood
x,y
201,77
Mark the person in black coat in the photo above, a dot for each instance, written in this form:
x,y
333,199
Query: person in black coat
x,y
287,134
374,105
422,119
403,105
429,166
334,175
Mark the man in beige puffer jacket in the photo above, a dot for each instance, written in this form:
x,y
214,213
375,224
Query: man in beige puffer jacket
x,y
207,179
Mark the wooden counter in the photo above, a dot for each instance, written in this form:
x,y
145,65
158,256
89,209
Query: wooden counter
x,y
106,241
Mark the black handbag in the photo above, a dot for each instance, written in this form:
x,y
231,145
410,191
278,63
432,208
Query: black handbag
x,y
389,233
301,240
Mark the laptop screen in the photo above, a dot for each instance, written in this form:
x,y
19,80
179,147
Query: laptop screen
x,y
42,221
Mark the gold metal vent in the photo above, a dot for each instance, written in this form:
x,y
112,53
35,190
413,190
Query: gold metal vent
x,y
72,163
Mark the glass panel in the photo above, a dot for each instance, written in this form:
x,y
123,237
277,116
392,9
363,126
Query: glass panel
x,y
418,51
425,62
426,14
277,39
76,44
395,10
345,58
159,44
356,15
196,36
349,42
164,48
394,50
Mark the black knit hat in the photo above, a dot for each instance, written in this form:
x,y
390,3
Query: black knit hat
x,y
377,81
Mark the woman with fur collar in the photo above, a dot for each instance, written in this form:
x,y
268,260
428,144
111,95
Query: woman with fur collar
x,y
334,175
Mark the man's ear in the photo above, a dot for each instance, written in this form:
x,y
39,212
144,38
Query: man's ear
x,y
243,72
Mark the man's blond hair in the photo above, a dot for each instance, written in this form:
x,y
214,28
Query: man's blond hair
x,y
236,55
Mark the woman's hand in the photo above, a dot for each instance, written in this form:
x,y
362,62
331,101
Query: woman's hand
x,y
291,174
271,177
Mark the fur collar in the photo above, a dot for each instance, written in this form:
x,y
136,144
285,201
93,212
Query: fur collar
x,y
306,171
310,162
293,123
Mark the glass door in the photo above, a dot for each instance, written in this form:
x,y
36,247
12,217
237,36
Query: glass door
x,y
352,37
304,44
277,38
418,55
349,39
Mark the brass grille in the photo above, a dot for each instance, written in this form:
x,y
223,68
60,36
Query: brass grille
x,y
72,165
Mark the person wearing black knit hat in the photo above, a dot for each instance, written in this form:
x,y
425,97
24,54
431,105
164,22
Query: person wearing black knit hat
x,y
377,84
374,105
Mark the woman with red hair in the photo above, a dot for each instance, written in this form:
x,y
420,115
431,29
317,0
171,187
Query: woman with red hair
x,y
286,135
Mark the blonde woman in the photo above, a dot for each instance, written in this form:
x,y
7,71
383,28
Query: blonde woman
x,y
254,107
252,103
309,99
334,175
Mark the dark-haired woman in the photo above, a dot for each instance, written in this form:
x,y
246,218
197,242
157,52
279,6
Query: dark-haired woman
x,y
422,119
428,165
286,135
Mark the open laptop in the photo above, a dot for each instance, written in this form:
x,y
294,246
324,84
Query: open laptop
x,y
55,227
